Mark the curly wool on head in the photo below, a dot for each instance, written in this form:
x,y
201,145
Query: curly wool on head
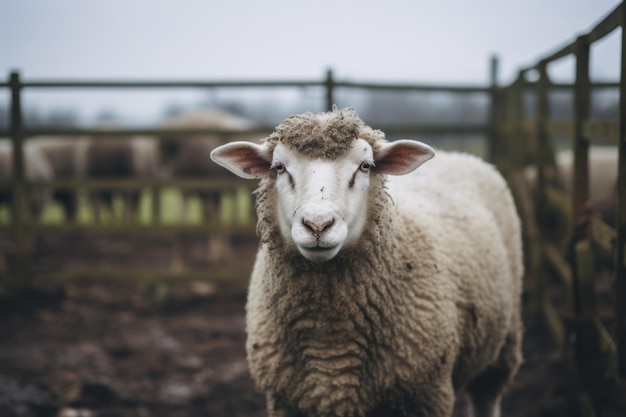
x,y
325,137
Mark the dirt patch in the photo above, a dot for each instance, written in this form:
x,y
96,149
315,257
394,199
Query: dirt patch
x,y
175,350
123,352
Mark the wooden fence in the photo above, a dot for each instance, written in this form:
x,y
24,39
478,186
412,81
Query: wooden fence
x,y
585,333
23,230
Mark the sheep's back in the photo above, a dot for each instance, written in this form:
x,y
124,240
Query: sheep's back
x,y
109,158
465,208
460,192
193,159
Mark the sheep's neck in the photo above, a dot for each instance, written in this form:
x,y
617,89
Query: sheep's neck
x,y
340,290
335,316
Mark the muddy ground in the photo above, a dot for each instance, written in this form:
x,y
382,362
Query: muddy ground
x,y
170,350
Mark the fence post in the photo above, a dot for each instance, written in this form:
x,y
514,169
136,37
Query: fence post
x,y
330,86
496,141
582,100
586,345
518,134
518,140
620,262
540,156
19,252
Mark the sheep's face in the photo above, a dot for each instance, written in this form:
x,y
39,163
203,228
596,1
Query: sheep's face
x,y
322,203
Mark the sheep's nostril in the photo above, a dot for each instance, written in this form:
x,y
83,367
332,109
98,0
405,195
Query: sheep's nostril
x,y
318,229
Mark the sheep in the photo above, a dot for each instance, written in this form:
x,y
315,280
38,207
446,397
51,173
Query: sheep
x,y
555,216
378,288
186,158
602,178
67,159
36,168
115,157
111,157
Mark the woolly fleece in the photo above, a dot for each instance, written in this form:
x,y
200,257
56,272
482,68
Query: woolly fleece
x,y
426,303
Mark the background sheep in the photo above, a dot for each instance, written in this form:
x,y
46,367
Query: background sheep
x,y
187,158
114,158
67,158
36,167
372,296
602,178
555,216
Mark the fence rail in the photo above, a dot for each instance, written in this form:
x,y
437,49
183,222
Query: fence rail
x,y
23,231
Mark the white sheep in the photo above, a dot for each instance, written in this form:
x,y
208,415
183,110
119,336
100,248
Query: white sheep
x,y
121,158
374,296
67,158
186,158
602,178
36,168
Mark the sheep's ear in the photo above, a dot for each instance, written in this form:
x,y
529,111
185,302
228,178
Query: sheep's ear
x,y
245,159
401,157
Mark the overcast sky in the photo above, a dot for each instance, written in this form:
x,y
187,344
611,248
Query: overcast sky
x,y
362,40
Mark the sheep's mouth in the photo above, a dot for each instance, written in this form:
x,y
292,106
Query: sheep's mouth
x,y
319,253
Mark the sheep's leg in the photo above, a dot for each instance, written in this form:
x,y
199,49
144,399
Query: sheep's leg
x,y
131,206
101,200
436,401
273,409
97,208
486,389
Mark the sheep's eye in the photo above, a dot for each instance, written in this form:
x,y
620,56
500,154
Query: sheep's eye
x,y
278,167
365,166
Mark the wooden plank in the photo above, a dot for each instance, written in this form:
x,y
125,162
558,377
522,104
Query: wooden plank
x,y
602,235
19,256
582,104
563,128
600,30
184,134
138,84
540,153
467,129
555,324
620,261
601,130
179,134
209,183
144,277
593,130
118,228
564,272
606,25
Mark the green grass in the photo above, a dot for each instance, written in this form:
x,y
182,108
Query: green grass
x,y
235,208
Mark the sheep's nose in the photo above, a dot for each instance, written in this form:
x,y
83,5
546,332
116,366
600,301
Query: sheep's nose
x,y
317,229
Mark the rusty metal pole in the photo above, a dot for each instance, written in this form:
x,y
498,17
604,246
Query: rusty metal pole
x,y
620,261
19,253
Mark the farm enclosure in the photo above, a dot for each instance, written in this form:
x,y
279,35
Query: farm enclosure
x,y
560,275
